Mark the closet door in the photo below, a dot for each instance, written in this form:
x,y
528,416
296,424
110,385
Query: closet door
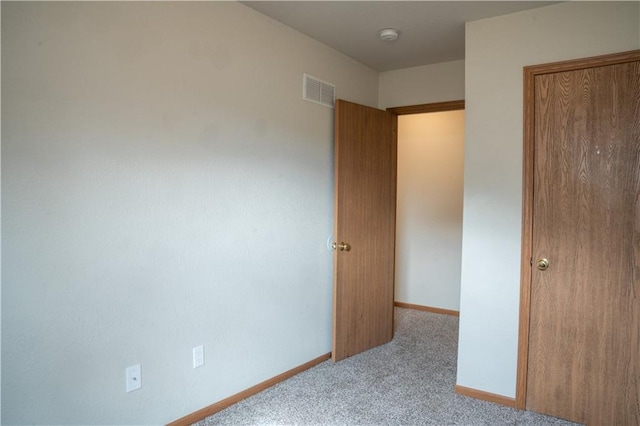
x,y
584,348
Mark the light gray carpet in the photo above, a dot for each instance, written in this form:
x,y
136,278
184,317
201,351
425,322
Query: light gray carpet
x,y
408,381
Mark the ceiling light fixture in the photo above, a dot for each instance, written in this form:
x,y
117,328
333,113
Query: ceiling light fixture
x,y
388,34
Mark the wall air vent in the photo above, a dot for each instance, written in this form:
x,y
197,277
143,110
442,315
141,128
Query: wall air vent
x,y
318,91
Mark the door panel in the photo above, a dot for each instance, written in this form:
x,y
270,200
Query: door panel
x,y
365,203
584,346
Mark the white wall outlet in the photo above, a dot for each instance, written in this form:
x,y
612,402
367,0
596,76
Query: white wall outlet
x,y
133,378
198,356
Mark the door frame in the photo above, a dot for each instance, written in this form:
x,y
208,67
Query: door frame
x,y
425,108
457,105
530,73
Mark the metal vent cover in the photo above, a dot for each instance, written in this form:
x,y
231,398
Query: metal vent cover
x,y
318,91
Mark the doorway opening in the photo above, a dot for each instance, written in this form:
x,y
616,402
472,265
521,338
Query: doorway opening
x,y
365,224
429,206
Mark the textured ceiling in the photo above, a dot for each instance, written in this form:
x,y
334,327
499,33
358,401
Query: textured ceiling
x,y
430,31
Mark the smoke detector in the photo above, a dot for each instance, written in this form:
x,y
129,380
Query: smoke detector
x,y
388,34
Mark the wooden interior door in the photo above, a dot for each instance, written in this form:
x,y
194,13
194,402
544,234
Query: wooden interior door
x,y
584,329
364,229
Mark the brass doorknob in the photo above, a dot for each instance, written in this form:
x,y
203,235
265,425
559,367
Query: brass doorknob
x,y
342,246
543,264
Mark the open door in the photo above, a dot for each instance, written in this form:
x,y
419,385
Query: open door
x,y
364,228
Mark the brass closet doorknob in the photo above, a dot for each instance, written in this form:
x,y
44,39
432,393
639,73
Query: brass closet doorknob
x,y
542,264
342,246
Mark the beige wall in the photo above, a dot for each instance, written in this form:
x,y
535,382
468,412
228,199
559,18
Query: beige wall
x,y
420,85
158,164
429,210
496,51
156,155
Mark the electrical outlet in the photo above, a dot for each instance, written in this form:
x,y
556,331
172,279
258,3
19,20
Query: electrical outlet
x,y
134,378
198,356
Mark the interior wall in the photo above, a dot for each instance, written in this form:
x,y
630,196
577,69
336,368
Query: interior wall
x,y
496,51
422,85
164,186
429,209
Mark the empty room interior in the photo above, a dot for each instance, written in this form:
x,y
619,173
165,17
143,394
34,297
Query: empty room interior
x,y
169,196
